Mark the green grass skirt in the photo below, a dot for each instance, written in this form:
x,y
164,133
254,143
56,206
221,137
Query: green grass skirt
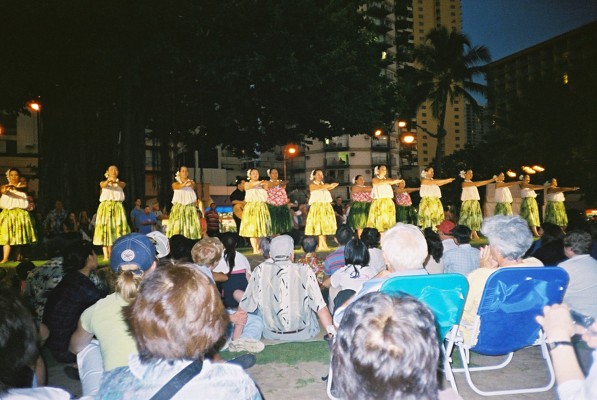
x,y
358,214
406,214
555,213
256,221
16,227
321,220
431,212
110,223
281,219
184,221
503,209
382,214
530,211
471,215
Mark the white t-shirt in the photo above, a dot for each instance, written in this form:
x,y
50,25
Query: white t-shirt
x,y
241,263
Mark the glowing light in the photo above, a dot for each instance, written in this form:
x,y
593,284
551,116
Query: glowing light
x,y
377,132
35,106
511,173
408,138
528,170
401,124
538,168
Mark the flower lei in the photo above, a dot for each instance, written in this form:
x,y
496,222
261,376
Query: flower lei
x,y
177,177
462,174
424,174
108,176
376,170
249,174
312,176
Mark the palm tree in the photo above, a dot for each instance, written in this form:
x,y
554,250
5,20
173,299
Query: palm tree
x,y
446,66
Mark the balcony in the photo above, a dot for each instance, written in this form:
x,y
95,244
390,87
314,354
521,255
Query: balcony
x,y
336,163
381,143
335,144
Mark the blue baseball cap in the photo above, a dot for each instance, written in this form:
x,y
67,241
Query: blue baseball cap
x,y
132,249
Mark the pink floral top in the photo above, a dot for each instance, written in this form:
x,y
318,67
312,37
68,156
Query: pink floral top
x,y
276,196
403,199
315,264
362,197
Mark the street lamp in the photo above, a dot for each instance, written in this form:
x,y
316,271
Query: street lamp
x,y
35,108
290,150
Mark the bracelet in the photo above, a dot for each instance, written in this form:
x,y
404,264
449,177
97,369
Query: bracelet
x,y
553,345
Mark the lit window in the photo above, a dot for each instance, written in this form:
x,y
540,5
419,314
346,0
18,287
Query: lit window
x,y
565,78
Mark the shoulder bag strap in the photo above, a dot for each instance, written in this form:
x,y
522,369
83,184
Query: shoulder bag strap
x,y
178,381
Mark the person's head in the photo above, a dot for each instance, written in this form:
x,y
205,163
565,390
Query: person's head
x,y
386,348
371,237
212,206
343,234
462,234
208,252
501,177
180,247
380,171
146,210
161,243
577,242
83,215
138,203
183,172
264,244
356,253
112,172
509,237
273,173
435,248
527,178
13,175
78,255
155,206
428,173
445,229
316,175
468,175
309,244
253,174
282,248
133,256
240,184
401,184
359,180
550,233
18,342
339,200
58,205
177,315
553,182
404,247
230,241
72,217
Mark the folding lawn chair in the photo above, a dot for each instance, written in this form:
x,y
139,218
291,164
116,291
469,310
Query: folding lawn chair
x,y
505,323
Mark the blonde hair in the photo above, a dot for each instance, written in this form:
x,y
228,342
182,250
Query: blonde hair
x,y
127,285
207,252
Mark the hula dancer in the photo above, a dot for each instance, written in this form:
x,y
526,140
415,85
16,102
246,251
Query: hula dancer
x,y
555,211
183,218
503,196
470,210
110,222
15,223
321,220
405,212
431,211
382,214
529,209
277,203
361,202
256,222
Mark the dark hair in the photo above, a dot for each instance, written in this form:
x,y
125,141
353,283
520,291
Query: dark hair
x,y
551,232
15,169
343,234
386,348
180,248
462,234
18,342
178,314
356,254
75,255
580,242
434,244
264,245
371,237
309,244
230,241
23,268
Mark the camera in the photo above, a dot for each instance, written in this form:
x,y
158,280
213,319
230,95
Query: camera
x,y
581,320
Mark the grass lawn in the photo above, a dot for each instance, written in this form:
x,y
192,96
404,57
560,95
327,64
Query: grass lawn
x,y
290,353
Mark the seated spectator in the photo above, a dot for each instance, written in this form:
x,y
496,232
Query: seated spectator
x,y
70,224
559,329
444,230
213,221
551,250
19,351
236,267
161,243
404,249
197,319
180,248
387,348
133,257
356,272
309,245
146,221
371,238
509,238
22,270
287,296
335,260
75,293
434,264
464,258
264,247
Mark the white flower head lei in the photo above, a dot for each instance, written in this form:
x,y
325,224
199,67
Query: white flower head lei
x,y
424,174
177,177
312,176
269,172
8,174
354,180
520,177
107,175
462,174
376,170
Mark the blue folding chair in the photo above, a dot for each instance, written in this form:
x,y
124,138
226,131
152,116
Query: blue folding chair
x,y
505,322
444,294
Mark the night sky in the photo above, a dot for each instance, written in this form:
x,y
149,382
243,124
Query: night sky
x,y
507,26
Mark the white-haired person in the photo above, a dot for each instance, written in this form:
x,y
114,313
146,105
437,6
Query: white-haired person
x,y
277,203
133,258
256,221
192,320
431,210
382,214
470,210
559,330
321,220
555,211
183,216
404,249
387,348
361,203
509,238
529,210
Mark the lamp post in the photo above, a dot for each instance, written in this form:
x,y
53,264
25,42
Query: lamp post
x,y
35,108
290,150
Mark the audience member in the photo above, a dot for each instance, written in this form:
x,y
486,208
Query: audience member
x,y
387,348
309,245
264,244
371,237
161,243
19,352
146,221
434,264
559,329
335,260
71,224
180,248
159,216
551,251
464,258
133,257
236,267
404,249
509,238
169,342
444,230
287,296
55,219
136,213
213,221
